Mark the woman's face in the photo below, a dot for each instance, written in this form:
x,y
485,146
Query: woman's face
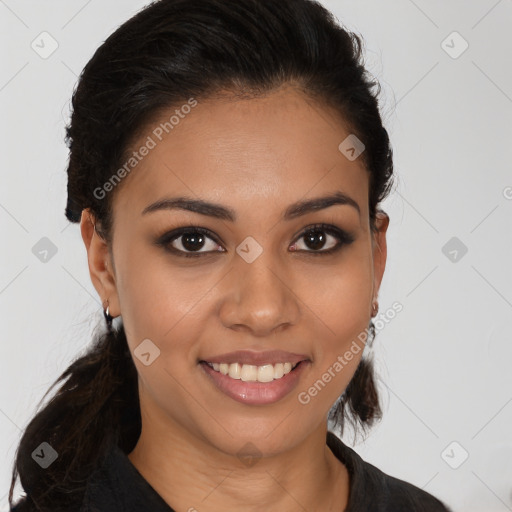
x,y
256,281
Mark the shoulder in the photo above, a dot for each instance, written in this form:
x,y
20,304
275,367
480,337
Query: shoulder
x,y
398,495
372,489
23,505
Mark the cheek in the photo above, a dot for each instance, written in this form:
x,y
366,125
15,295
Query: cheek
x,y
341,303
340,297
162,306
162,303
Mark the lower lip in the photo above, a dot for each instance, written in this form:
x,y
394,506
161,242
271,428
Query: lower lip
x,y
256,393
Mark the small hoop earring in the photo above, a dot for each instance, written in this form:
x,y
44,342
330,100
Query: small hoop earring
x,y
108,318
375,308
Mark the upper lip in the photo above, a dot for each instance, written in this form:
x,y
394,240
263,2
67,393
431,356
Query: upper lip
x,y
257,358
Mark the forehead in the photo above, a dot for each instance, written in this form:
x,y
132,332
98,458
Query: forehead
x,y
246,153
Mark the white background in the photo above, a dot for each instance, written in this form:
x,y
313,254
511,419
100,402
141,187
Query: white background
x,y
444,361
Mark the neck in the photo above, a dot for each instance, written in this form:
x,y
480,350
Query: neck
x,y
191,474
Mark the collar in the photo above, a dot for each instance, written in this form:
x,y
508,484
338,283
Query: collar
x,y
117,486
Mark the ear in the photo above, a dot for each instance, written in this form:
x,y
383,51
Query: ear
x,y
379,250
101,265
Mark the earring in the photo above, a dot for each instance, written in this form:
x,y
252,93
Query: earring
x,y
375,308
108,318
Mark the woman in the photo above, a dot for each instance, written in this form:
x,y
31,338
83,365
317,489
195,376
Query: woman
x,y
227,161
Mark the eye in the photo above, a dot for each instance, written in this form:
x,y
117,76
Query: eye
x,y
188,241
315,239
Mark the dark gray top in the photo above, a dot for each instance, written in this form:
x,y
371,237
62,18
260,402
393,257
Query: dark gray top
x,y
117,486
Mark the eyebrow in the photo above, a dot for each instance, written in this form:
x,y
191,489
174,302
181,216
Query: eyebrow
x,y
218,211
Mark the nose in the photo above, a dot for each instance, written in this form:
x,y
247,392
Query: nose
x,y
258,297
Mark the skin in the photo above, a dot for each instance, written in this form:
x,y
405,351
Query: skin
x,y
257,157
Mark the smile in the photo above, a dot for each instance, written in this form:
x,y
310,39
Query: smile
x,y
242,382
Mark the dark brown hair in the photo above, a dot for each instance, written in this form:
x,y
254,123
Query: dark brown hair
x,y
170,51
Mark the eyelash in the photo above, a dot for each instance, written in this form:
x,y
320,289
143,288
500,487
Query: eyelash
x,y
344,238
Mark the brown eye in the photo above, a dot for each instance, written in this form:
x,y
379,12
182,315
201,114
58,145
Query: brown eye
x,y
316,237
189,242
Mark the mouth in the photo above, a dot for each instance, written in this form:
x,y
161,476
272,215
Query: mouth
x,y
252,384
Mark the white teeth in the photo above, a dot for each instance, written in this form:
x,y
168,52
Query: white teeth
x,y
249,372
278,370
234,370
265,373
253,373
